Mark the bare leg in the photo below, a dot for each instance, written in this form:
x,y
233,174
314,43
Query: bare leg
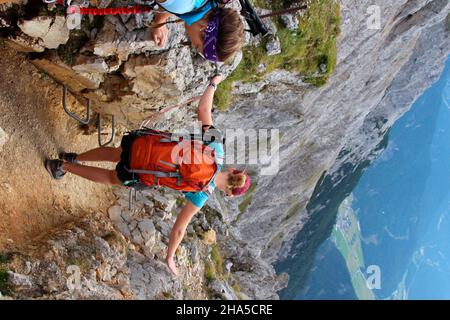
x,y
101,154
94,174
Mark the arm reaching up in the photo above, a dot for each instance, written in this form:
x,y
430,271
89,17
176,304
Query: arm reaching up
x,y
177,233
206,102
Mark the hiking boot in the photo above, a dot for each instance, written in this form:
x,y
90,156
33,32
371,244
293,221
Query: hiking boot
x,y
54,167
69,157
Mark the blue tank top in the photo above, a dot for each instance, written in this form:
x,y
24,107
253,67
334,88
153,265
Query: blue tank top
x,y
179,6
183,8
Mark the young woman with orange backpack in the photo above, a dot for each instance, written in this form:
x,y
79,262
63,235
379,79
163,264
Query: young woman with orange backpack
x,y
150,158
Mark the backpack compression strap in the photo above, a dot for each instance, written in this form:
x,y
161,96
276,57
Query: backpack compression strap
x,y
158,174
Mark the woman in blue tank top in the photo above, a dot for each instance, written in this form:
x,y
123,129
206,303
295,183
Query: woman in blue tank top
x,y
201,17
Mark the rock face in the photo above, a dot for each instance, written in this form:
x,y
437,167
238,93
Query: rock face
x,y
116,64
122,257
91,260
380,72
86,261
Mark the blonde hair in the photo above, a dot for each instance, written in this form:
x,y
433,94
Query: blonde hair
x,y
236,180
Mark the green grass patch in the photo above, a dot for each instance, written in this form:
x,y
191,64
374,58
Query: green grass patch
x,y
216,257
448,22
210,271
247,200
237,290
115,239
310,50
293,210
80,263
4,257
244,204
181,202
214,269
260,3
341,244
4,286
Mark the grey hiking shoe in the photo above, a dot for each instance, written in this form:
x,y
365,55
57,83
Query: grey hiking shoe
x,y
69,157
54,167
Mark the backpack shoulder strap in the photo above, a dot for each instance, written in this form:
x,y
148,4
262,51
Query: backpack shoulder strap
x,y
149,132
210,134
207,187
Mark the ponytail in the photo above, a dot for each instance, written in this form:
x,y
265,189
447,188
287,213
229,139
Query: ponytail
x,y
238,182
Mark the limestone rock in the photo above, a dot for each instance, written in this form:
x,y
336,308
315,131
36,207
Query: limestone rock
x,y
248,88
195,255
19,282
116,39
209,237
57,69
19,2
57,34
24,43
51,30
284,77
114,213
84,64
119,220
148,76
4,23
136,236
37,27
290,21
3,297
163,228
3,138
166,203
222,290
273,46
148,232
261,68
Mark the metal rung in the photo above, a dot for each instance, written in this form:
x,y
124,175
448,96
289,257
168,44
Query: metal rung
x,y
131,197
73,115
99,128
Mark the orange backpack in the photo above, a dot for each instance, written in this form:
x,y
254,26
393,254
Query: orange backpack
x,y
165,159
